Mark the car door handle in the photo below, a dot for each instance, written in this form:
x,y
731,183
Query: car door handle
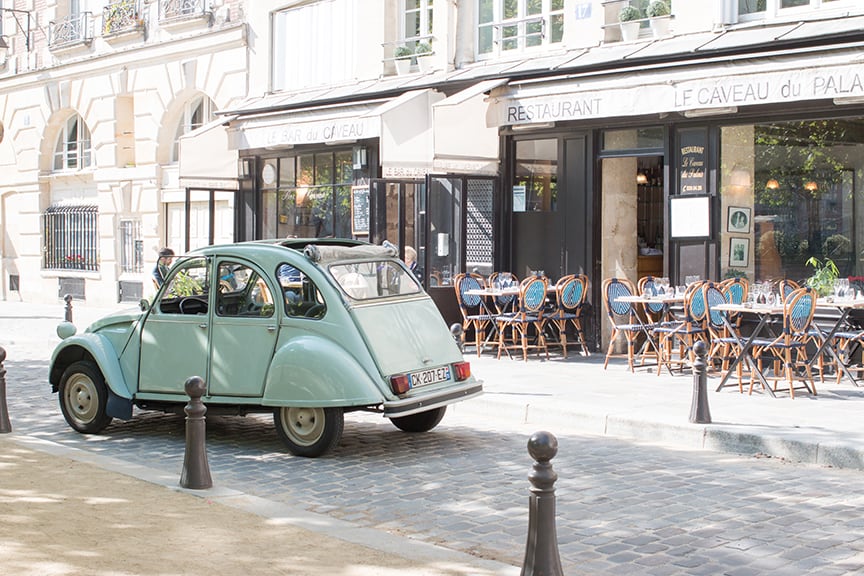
x,y
202,325
271,328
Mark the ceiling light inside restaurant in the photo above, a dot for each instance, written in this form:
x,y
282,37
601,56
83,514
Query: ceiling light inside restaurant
x,y
641,178
772,184
811,186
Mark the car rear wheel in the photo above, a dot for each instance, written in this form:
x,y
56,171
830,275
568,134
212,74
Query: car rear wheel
x,y
83,398
309,432
420,422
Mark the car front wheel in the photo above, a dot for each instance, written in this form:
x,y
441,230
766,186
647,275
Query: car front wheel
x,y
83,398
420,422
309,432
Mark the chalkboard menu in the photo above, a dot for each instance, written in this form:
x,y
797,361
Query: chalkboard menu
x,y
360,210
691,161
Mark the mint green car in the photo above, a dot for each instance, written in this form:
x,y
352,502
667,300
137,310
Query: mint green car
x,y
305,329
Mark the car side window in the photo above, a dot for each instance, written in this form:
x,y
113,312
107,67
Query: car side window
x,y
301,296
188,288
242,292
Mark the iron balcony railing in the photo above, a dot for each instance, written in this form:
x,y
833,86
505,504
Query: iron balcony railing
x,y
120,16
70,238
181,9
75,29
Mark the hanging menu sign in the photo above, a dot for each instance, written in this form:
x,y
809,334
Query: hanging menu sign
x,y
692,178
360,210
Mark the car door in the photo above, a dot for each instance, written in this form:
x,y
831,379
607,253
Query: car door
x,y
244,330
174,339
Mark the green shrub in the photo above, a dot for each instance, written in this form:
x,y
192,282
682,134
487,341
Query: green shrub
x,y
629,13
402,52
423,49
659,8
822,279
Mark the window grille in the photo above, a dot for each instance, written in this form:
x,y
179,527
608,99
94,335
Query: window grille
x,y
70,238
131,246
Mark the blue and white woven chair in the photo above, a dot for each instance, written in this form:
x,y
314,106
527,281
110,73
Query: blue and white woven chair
x,y
789,350
683,335
475,317
527,321
570,294
624,320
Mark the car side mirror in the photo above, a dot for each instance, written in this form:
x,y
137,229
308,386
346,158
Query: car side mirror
x,y
144,304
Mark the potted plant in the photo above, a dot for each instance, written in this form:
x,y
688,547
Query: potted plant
x,y
658,12
823,277
629,17
424,55
403,56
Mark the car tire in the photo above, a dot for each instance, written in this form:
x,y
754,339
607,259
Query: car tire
x,y
309,432
420,422
84,397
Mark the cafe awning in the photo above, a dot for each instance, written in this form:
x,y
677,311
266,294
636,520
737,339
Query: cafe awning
x,y
205,159
463,141
338,123
718,86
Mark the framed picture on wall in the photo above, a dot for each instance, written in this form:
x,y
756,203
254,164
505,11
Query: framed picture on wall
x,y
739,220
739,252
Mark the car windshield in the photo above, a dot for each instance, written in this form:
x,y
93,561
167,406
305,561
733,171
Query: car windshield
x,y
374,279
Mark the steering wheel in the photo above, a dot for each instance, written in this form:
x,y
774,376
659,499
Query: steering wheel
x,y
197,299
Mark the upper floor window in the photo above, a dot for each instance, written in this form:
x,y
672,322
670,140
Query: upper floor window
x,y
72,151
314,44
196,113
754,9
516,25
416,19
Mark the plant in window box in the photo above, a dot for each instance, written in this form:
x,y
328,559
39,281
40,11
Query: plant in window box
x,y
403,56
425,56
658,12
628,18
823,277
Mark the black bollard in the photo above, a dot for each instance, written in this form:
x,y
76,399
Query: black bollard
x,y
458,334
5,425
699,412
68,299
196,471
541,552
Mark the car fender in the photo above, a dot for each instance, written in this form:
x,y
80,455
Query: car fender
x,y
313,371
89,346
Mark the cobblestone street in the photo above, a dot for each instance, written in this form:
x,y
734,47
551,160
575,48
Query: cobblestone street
x,y
621,507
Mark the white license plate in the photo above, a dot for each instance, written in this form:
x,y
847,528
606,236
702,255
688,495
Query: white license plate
x,y
432,376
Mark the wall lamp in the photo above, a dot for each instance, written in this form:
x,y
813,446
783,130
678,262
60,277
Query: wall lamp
x,y
24,30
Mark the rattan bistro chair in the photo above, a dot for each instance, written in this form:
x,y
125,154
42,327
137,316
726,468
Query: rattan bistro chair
x,y
570,294
526,323
475,317
682,336
623,319
789,350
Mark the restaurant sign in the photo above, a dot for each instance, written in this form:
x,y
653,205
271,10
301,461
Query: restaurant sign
x,y
324,131
657,92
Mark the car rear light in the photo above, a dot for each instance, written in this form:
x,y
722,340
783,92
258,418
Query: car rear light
x,y
462,371
400,384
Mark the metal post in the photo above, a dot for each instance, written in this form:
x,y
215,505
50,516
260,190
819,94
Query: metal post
x,y
196,471
5,425
699,412
68,299
541,553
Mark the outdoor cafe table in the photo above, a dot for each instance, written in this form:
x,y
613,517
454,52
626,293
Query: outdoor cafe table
x,y
667,301
845,306
764,312
487,301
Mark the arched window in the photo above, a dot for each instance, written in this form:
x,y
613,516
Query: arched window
x,y
196,113
73,145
